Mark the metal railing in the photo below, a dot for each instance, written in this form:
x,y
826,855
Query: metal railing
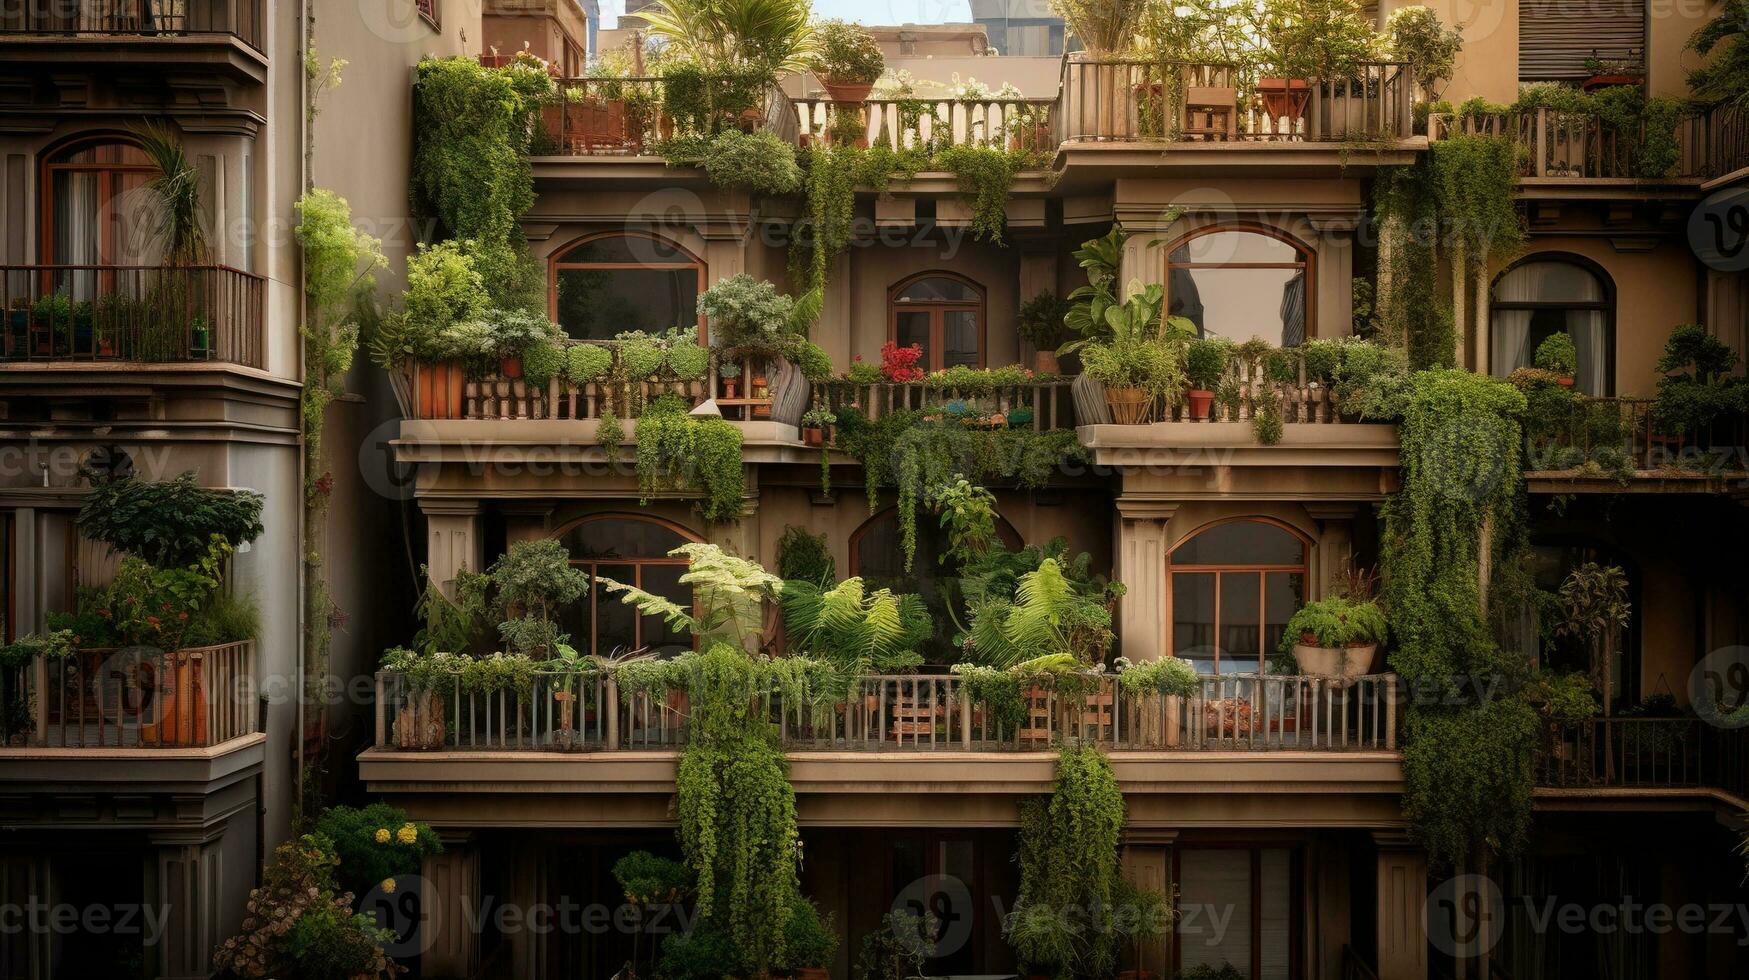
x,y
1727,140
1046,401
499,396
241,19
1607,430
903,123
132,313
627,116
578,711
1646,753
1145,100
132,697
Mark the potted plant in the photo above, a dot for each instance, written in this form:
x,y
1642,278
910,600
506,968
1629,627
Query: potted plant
x,y
1606,72
200,338
809,940
1139,367
514,333
49,315
730,375
1041,325
847,60
1336,637
817,424
1310,41
1205,364
1557,354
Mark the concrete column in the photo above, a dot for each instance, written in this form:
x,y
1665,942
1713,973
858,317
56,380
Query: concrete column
x,y
1335,551
185,877
1147,864
450,939
1141,567
1402,908
452,531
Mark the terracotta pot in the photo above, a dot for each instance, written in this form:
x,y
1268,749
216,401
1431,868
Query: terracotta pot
x,y
1343,664
511,367
812,436
1565,381
1129,406
847,91
1200,402
730,387
1045,362
1285,97
438,389
1607,81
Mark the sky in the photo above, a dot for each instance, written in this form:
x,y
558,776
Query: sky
x,y
861,11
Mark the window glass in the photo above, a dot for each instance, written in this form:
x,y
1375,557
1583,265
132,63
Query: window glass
x,y
938,289
1233,587
1536,300
1242,543
1239,285
634,552
943,316
609,285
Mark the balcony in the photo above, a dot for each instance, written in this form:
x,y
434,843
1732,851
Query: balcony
x,y
1645,757
1611,444
85,315
225,34
132,698
1561,147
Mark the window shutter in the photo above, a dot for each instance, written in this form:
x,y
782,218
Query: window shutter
x,y
1556,36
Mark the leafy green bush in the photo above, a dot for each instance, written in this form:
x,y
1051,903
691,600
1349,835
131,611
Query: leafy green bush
x,y
531,582
542,363
1166,675
1061,923
688,361
746,312
1041,321
640,356
805,557
375,843
588,362
1558,354
758,163
299,924
168,522
226,618
1206,362
846,54
1696,389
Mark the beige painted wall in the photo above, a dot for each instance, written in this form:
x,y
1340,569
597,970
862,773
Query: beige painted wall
x,y
1488,64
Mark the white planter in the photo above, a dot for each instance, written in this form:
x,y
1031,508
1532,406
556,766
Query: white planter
x,y
1345,664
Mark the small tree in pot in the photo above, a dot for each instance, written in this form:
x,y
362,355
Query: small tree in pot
x,y
1310,42
847,60
1204,365
1042,326
1558,354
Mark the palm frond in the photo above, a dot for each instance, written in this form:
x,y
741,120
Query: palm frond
x,y
176,186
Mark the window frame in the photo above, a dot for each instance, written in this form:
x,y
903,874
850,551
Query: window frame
x,y
935,349
1261,570
53,162
1296,906
555,265
590,567
1607,306
431,12
1307,264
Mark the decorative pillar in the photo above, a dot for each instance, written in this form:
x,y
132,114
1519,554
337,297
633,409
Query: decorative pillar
x,y
1147,863
185,877
448,937
1141,567
1402,907
452,529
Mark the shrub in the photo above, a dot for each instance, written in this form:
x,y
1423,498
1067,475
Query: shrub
x,y
168,522
1416,34
588,362
641,356
812,359
688,361
297,924
1336,622
542,362
375,843
746,312
805,557
1556,353
224,619
444,289
1206,362
846,54
758,163
1041,321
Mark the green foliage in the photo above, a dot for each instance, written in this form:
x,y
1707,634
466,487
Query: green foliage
x,y
1468,775
899,947
1557,353
1336,622
647,879
688,362
1562,699
376,843
1696,388
641,356
1723,75
1317,39
758,163
968,515
746,312
855,632
542,362
531,582
587,362
846,54
340,264
1415,34
444,291
986,178
1041,321
180,223
153,606
1165,675
729,594
168,522
1106,27
804,557
1048,615
299,924
1062,921
761,37
677,451
1206,361
224,618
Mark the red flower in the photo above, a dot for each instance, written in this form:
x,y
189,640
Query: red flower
x,y
899,364
182,616
152,621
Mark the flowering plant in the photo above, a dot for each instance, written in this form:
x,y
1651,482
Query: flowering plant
x,y
899,364
154,606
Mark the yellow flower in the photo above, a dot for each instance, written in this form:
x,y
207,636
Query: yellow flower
x,y
388,886
382,835
407,835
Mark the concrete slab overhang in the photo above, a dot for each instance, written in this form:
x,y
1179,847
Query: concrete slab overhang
x,y
84,788
218,54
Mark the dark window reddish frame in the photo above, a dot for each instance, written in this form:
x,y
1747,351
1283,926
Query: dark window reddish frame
x,y
1307,262
114,160
590,567
937,310
555,265
1261,570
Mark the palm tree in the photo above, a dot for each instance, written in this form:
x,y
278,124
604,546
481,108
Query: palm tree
x,y
735,36
177,188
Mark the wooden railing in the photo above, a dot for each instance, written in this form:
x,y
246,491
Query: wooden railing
x,y
132,313
1646,753
496,396
133,697
1151,100
627,116
1727,140
573,711
1003,124
1607,430
242,19
1568,144
1048,401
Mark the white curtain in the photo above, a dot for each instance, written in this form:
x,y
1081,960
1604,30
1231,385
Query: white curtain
x,y
1516,332
76,231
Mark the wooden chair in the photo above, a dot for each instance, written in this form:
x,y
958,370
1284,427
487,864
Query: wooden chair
x,y
1037,726
1211,112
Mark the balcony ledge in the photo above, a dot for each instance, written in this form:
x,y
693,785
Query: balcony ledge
x,y
74,770
223,54
565,440
1347,444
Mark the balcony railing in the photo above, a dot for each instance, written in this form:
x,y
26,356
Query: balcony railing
x,y
576,711
627,116
132,313
1003,124
132,698
1569,144
1040,405
1603,430
1646,753
242,19
497,396
1727,140
1141,100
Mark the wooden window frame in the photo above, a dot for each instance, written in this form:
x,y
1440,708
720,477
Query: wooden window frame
x,y
555,265
1606,305
1307,264
1261,570
431,12
1296,906
53,162
591,566
936,308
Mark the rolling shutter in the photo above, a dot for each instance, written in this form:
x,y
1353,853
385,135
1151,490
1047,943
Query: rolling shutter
x,y
1556,36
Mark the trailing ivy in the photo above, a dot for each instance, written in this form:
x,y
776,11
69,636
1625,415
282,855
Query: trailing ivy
x,y
677,451
986,176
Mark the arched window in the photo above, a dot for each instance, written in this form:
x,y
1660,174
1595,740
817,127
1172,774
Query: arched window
x,y
607,284
943,314
1541,296
1241,283
1231,589
877,557
633,550
97,209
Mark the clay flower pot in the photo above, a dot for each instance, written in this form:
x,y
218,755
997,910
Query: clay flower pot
x,y
1200,401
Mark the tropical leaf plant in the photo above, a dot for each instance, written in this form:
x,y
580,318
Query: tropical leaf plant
x,y
1047,616
855,630
769,36
176,187
729,596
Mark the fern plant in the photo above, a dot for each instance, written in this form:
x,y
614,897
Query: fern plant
x,y
856,631
1047,616
729,595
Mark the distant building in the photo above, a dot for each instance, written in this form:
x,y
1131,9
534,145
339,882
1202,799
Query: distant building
x,y
1020,27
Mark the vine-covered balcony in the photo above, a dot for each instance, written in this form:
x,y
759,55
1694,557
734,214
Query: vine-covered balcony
x,y
1599,442
1646,754
590,711
131,313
